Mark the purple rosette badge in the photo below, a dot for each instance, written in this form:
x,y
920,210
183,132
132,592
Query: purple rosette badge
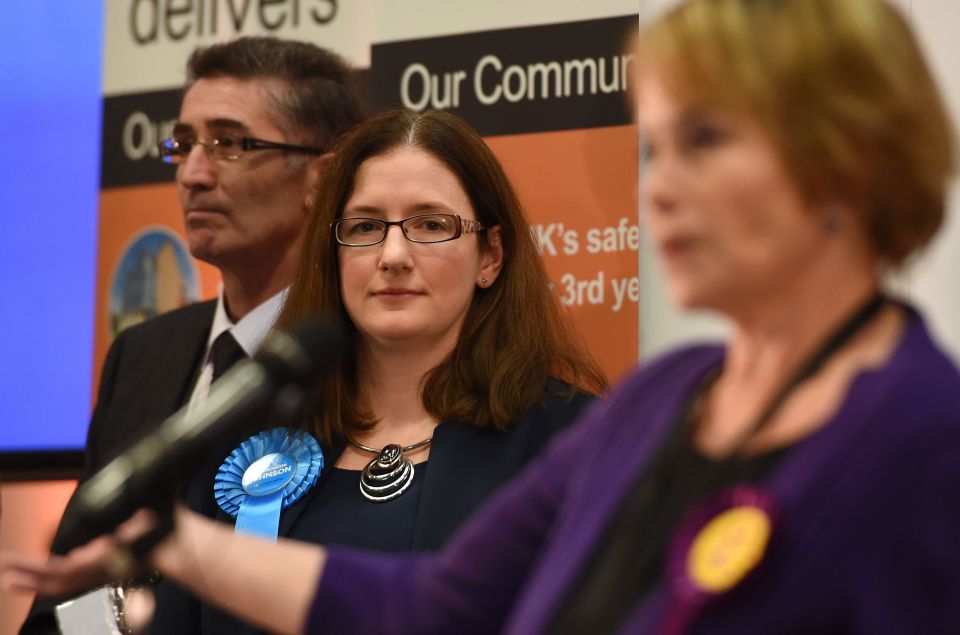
x,y
718,544
268,473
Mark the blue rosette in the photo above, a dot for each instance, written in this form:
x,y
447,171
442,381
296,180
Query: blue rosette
x,y
268,473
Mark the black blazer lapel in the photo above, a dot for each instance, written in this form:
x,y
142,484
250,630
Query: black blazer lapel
x,y
451,488
156,369
190,344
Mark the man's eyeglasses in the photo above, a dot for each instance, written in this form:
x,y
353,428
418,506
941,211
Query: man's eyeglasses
x,y
224,148
423,228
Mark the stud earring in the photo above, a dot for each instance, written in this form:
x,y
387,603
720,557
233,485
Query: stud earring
x,y
483,281
832,221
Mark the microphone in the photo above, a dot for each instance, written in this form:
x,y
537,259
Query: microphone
x,y
149,472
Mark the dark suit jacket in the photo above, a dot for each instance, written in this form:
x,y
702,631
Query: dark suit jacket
x,y
466,466
148,375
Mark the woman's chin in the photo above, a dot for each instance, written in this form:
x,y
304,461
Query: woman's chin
x,y
393,335
683,296
687,297
399,335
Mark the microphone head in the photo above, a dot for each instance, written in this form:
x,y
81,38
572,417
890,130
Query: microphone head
x,y
304,353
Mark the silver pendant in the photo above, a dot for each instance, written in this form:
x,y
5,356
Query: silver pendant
x,y
386,476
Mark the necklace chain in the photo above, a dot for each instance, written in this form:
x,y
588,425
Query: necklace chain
x,y
404,449
836,340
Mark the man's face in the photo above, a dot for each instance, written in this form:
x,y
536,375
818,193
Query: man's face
x,y
246,213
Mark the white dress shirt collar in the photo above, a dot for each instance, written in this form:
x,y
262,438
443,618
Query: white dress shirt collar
x,y
252,328
249,332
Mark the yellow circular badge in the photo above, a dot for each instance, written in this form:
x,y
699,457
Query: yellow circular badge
x,y
727,548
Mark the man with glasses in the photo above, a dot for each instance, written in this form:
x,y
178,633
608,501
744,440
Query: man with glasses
x,y
257,117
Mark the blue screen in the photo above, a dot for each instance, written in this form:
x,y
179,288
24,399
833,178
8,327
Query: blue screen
x,y
50,68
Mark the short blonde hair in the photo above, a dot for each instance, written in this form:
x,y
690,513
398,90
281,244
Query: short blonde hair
x,y
843,89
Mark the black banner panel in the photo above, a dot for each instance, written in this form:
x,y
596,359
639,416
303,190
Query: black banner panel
x,y
531,79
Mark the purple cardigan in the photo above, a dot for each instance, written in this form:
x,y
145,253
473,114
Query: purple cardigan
x,y
868,542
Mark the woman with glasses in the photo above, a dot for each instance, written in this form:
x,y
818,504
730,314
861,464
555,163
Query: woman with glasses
x,y
418,242
803,477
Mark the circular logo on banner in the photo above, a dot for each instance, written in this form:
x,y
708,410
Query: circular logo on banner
x,y
155,274
269,474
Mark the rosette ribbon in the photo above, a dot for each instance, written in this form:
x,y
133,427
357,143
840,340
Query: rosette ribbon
x,y
716,547
268,473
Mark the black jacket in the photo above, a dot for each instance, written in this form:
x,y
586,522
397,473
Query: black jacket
x,y
148,374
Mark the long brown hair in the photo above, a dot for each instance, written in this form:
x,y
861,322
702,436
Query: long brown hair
x,y
515,336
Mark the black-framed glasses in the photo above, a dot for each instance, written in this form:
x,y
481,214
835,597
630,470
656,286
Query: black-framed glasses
x,y
225,148
423,228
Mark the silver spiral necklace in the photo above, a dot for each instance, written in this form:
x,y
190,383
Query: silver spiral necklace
x,y
389,473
